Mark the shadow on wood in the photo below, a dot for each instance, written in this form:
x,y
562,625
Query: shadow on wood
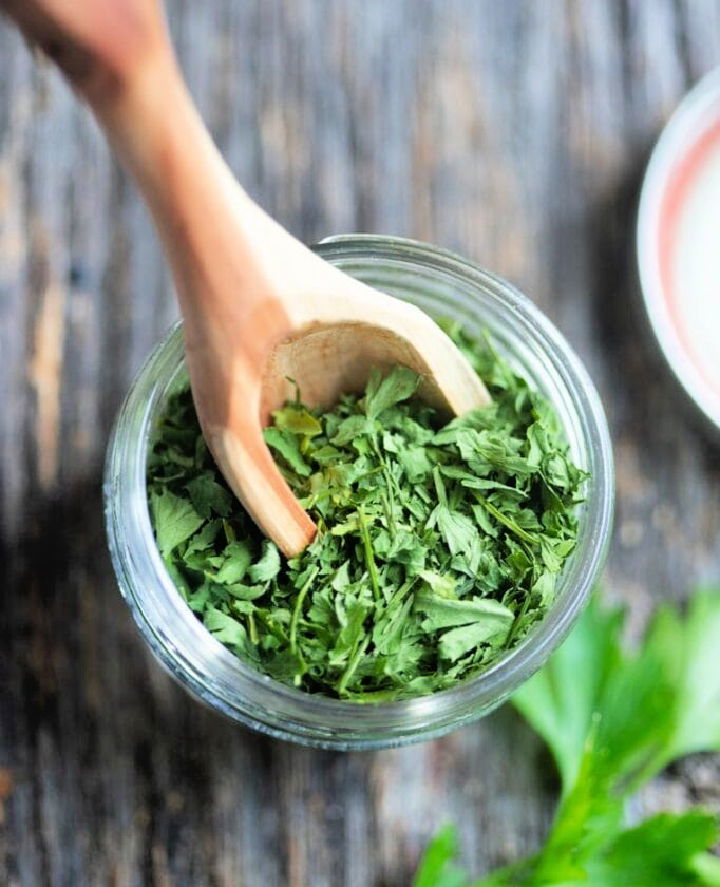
x,y
158,781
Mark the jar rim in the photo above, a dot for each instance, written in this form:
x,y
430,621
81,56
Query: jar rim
x,y
287,712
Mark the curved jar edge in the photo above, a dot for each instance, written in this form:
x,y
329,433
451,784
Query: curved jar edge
x,y
441,283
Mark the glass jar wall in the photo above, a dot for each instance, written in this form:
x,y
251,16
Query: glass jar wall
x,y
444,285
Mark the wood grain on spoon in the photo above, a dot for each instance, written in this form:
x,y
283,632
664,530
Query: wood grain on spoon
x,y
259,308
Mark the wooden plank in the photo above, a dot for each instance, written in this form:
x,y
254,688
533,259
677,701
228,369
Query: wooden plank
x,y
515,133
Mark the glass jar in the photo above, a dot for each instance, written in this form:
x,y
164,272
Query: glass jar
x,y
443,284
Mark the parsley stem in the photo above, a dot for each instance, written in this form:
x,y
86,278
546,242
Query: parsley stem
x,y
298,609
519,617
351,666
439,486
229,531
252,629
506,521
369,554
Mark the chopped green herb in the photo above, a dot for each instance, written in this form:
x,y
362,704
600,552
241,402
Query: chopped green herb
x,y
439,543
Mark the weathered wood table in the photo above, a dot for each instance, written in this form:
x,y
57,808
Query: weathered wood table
x,y
515,133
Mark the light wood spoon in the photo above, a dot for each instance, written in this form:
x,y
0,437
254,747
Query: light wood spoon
x,y
258,306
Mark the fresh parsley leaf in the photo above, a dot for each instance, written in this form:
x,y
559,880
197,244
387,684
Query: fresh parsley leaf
x,y
689,649
456,642
437,868
644,708
440,612
562,699
667,850
612,718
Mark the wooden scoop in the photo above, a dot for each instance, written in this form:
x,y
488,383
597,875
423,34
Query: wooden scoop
x,y
259,308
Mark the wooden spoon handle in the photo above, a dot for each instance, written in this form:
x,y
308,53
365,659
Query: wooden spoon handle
x,y
118,56
221,246
98,44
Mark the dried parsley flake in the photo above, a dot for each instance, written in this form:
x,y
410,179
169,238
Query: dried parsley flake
x,y
439,545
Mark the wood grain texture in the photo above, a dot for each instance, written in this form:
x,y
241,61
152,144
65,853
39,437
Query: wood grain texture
x,y
513,132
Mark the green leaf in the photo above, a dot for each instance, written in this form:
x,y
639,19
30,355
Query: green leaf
x,y
459,641
268,567
437,867
224,628
381,394
236,560
208,496
350,428
174,520
415,462
690,649
613,719
352,632
443,586
202,542
666,850
562,700
242,592
460,533
650,706
287,445
440,612
297,420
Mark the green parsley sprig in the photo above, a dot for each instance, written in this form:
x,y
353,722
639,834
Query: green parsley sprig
x,y
613,719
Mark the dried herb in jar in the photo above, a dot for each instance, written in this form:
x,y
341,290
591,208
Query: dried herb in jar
x,y
439,543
